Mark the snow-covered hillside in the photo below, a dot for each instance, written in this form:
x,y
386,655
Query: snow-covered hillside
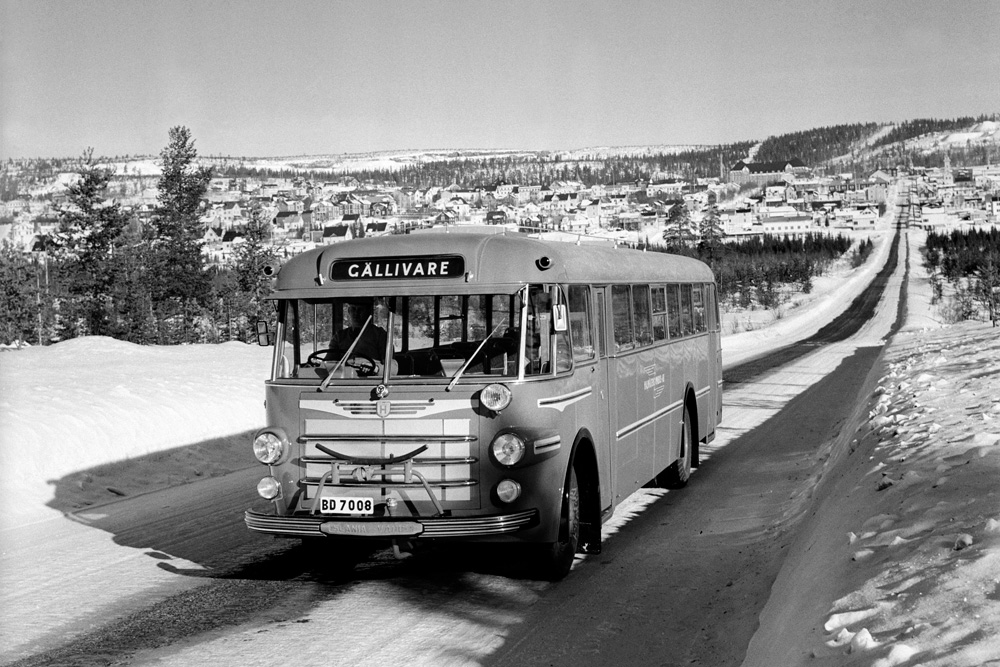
x,y
342,163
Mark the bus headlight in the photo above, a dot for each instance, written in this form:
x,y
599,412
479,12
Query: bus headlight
x,y
495,397
508,490
508,449
269,447
268,488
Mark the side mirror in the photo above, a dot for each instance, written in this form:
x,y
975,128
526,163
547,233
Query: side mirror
x,y
265,338
560,320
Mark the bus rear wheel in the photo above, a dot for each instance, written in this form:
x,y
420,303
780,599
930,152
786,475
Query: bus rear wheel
x,y
677,474
556,558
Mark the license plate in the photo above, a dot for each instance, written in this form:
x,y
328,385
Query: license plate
x,y
344,505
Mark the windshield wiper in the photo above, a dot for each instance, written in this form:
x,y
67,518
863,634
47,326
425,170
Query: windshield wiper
x,y
472,356
354,343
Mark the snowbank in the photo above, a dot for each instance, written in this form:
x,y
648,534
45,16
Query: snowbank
x,y
89,401
902,556
830,297
898,564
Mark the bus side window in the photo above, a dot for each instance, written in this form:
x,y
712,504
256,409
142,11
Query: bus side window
x,y
687,321
659,294
564,355
622,318
602,342
640,310
538,335
579,323
714,319
288,316
698,307
674,310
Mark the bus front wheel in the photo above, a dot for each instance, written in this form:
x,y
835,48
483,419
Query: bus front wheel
x,y
678,473
556,558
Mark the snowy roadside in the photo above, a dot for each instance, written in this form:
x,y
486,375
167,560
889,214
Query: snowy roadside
x,y
85,402
900,562
831,295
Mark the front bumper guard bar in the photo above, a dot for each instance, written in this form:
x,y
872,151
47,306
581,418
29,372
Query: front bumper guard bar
x,y
314,525
388,466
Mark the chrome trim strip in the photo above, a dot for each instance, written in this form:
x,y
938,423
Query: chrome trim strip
x,y
310,526
400,408
548,444
560,403
645,421
326,460
382,483
702,392
388,439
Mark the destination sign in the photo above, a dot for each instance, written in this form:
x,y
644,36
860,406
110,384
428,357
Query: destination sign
x,y
398,268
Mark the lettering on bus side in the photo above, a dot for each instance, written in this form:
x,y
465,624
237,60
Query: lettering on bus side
x,y
398,268
654,381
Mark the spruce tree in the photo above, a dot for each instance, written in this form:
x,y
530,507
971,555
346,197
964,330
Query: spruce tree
x,y
249,260
677,232
133,288
181,284
710,233
25,304
87,247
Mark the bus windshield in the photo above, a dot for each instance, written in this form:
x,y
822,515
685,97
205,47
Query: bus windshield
x,y
431,336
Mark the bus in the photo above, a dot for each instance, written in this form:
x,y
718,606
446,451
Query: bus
x,y
472,387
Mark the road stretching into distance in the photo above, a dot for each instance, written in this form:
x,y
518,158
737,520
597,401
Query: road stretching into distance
x,y
681,580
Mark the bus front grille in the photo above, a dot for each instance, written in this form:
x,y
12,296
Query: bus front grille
x,y
447,470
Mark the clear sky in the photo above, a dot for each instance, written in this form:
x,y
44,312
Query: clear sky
x,y
286,77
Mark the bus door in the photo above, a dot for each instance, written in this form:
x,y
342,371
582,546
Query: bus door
x,y
623,377
605,433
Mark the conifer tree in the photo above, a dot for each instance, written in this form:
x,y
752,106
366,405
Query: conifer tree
x,y
132,292
710,233
987,284
249,260
86,245
25,309
181,284
677,232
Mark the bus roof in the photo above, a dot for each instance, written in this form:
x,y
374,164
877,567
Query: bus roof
x,y
459,263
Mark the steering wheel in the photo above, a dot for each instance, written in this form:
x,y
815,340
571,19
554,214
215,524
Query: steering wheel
x,y
362,363
318,357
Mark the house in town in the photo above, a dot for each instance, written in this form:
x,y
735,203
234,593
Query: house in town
x,y
766,172
336,234
377,228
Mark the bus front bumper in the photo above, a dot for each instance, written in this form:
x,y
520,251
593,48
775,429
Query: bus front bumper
x,y
309,525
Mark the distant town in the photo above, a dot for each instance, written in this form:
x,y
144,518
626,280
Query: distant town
x,y
753,198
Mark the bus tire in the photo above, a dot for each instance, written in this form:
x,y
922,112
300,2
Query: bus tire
x,y
677,474
556,558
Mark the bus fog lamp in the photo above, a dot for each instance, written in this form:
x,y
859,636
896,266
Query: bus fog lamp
x,y
268,488
508,449
495,397
508,490
268,447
